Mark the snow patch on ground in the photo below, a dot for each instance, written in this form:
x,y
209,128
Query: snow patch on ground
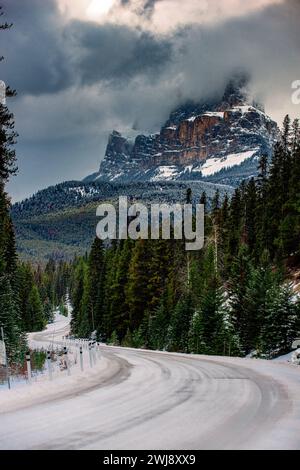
x,y
292,357
25,394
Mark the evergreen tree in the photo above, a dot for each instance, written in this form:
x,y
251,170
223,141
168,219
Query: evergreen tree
x,y
10,321
159,324
116,311
286,133
295,135
137,292
35,310
250,215
237,288
261,280
178,332
95,281
189,196
282,321
77,296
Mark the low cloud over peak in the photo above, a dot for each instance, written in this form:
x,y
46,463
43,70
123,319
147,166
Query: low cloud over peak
x,y
81,78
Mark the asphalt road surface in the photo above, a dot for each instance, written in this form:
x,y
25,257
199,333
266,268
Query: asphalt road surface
x,y
139,399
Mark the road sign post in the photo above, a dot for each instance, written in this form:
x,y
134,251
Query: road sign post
x,y
67,360
81,358
94,352
49,364
98,350
90,354
3,357
28,364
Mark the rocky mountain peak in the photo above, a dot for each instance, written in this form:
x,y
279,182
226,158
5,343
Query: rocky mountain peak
x,y
217,140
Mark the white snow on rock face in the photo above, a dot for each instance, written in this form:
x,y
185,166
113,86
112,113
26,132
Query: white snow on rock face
x,y
165,173
213,165
214,114
236,131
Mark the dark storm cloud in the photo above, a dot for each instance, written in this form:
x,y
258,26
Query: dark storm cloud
x,y
114,53
146,7
78,80
47,55
37,60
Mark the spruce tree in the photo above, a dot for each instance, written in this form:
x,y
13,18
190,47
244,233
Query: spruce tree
x,y
116,312
282,322
35,310
15,340
95,287
160,323
237,288
178,331
137,291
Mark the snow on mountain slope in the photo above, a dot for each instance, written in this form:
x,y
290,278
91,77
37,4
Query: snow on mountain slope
x,y
165,173
222,140
213,165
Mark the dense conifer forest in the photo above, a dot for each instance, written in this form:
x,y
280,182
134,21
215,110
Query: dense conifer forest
x,y
232,297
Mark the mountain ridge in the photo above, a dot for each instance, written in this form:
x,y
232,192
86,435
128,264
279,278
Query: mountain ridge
x,y
210,140
60,221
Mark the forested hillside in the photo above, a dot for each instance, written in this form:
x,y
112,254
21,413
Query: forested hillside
x,y
59,222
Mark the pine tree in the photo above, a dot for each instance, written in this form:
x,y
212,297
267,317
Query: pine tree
x,y
159,324
261,280
235,225
10,321
295,135
286,133
189,196
250,215
237,288
96,287
77,296
137,291
35,310
116,278
282,322
178,332
208,332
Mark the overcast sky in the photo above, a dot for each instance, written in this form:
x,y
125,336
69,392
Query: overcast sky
x,y
85,67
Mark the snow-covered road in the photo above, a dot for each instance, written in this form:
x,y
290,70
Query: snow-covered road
x,y
152,400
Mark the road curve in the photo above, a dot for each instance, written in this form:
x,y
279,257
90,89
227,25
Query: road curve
x,y
155,400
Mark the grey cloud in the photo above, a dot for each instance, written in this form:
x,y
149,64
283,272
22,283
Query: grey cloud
x,y
145,8
114,53
86,79
36,58
45,55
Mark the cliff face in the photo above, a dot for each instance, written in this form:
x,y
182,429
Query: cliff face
x,y
218,141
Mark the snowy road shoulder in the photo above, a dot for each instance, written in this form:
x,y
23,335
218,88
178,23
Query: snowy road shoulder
x,y
43,390
137,399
